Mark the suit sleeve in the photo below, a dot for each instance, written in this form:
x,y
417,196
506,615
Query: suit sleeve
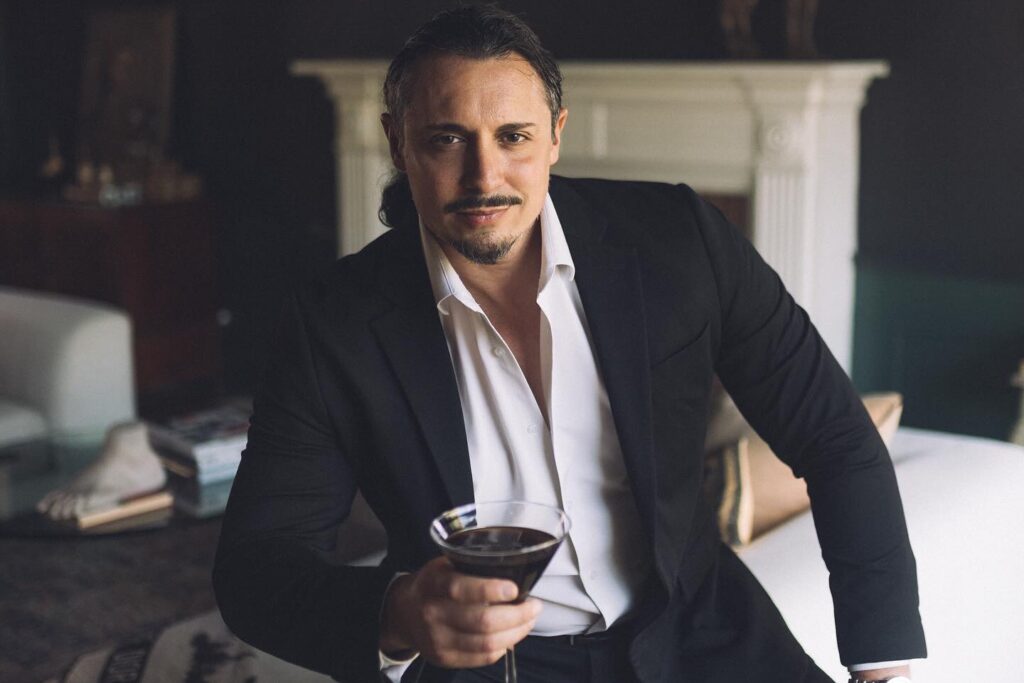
x,y
275,582
782,376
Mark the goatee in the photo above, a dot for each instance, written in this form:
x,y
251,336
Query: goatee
x,y
483,250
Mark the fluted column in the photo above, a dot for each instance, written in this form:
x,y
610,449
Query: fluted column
x,y
362,161
785,183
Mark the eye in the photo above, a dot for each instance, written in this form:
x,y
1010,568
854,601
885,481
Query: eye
x,y
445,139
514,138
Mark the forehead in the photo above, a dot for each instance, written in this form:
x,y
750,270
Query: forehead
x,y
451,88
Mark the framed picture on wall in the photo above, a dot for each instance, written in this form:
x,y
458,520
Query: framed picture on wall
x,y
127,86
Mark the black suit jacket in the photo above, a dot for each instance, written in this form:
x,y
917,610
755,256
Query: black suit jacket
x,y
360,393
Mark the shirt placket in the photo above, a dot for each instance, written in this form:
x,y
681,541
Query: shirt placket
x,y
522,430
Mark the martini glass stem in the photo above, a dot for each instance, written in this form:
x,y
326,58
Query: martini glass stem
x,y
510,666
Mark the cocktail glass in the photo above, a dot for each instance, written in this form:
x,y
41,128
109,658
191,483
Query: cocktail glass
x,y
511,539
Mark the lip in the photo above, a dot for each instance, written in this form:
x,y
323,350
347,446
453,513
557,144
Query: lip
x,y
482,217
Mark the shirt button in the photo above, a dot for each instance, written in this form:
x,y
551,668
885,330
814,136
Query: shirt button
x,y
532,429
498,351
593,576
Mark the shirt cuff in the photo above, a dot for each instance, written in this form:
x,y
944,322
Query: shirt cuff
x,y
393,669
879,665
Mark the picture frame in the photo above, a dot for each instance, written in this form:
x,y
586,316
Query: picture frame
x,y
126,94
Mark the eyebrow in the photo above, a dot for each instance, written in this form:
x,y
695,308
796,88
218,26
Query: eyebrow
x,y
456,128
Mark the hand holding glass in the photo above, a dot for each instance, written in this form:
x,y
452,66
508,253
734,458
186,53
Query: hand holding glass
x,y
512,540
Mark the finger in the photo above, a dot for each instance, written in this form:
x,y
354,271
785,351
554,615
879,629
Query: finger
x,y
477,619
466,589
440,579
478,644
62,510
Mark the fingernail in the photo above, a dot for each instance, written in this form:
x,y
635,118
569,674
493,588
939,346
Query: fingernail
x,y
509,592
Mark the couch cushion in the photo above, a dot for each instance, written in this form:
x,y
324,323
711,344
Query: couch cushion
x,y
19,424
754,491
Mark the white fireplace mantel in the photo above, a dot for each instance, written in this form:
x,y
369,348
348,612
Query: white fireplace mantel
x,y
784,134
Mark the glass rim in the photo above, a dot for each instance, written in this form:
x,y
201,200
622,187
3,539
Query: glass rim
x,y
435,535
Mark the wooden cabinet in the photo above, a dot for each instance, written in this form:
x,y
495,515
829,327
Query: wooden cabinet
x,y
154,261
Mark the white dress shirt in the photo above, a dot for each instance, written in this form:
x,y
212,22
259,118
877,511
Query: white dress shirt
x,y
569,458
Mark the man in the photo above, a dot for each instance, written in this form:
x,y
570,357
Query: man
x,y
525,336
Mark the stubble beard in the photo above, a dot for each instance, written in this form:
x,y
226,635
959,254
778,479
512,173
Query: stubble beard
x,y
483,249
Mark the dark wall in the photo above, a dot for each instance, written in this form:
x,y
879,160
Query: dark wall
x,y
6,122
940,286
943,149
943,154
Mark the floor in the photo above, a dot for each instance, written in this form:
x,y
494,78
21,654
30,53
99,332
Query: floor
x,y
62,597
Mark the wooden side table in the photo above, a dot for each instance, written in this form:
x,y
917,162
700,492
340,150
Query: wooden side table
x,y
155,261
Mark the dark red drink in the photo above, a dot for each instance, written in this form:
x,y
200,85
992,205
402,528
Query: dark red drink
x,y
503,552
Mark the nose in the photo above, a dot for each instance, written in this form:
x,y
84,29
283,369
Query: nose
x,y
483,172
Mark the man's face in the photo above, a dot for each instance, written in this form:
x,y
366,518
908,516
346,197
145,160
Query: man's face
x,y
476,144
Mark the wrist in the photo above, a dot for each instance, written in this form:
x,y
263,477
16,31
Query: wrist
x,y
392,639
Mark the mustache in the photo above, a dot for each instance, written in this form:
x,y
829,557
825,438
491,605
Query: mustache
x,y
481,202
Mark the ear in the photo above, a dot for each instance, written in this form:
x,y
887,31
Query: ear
x,y
556,135
394,135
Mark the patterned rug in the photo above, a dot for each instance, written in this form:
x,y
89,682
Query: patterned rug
x,y
198,650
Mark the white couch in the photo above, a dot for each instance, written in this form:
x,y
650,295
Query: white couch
x,y
66,370
965,515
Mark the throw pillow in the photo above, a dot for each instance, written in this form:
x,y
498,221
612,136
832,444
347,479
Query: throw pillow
x,y
753,491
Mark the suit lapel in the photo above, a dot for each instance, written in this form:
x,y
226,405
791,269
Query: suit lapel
x,y
413,340
608,278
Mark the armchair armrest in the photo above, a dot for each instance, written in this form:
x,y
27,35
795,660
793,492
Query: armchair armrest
x,y
68,359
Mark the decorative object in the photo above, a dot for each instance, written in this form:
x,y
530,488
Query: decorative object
x,y
737,25
125,111
752,490
127,83
197,649
54,164
123,481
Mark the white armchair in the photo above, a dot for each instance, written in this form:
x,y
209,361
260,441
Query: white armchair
x,y
66,370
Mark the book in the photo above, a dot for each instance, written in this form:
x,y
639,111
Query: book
x,y
199,500
208,442
189,469
137,506
155,519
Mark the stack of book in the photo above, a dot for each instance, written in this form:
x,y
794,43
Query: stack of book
x,y
201,452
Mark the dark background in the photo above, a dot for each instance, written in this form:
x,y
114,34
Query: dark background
x,y
942,169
